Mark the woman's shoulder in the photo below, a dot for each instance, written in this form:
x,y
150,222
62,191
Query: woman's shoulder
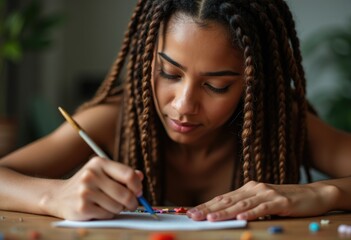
x,y
100,120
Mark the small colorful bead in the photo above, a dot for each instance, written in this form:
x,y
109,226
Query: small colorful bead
x,y
246,236
344,229
180,210
314,227
325,222
275,229
162,236
34,235
82,232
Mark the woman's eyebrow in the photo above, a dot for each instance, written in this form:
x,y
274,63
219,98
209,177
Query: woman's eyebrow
x,y
207,74
171,61
220,73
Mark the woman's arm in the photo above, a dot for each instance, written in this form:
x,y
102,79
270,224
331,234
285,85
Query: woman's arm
x,y
330,153
330,148
27,175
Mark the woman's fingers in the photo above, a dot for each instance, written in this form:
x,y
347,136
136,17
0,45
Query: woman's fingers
x,y
224,207
140,174
120,173
118,193
92,200
101,189
222,203
251,201
233,210
218,203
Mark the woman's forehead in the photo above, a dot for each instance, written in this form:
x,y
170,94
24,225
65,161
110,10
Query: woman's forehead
x,y
192,44
179,19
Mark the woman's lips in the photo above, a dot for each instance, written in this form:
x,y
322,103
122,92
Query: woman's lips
x,y
182,127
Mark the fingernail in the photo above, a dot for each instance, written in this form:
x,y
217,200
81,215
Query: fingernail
x,y
212,216
192,211
198,214
242,216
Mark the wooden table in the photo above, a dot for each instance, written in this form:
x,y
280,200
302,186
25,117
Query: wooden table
x,y
16,225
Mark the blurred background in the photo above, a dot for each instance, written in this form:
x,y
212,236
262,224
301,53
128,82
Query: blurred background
x,y
56,52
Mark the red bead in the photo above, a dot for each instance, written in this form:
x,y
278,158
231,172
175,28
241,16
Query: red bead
x,y
180,210
34,235
162,236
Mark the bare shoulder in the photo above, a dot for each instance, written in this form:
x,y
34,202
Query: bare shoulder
x,y
330,148
100,121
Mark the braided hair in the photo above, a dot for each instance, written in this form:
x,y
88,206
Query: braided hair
x,y
272,112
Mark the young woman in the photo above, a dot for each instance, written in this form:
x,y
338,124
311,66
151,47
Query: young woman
x,y
212,113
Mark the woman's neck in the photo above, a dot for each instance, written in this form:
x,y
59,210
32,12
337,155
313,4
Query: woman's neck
x,y
198,172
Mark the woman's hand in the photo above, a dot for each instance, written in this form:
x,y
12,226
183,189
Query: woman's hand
x,y
99,190
254,200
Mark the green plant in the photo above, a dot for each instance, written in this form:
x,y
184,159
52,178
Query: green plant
x,y
330,52
23,29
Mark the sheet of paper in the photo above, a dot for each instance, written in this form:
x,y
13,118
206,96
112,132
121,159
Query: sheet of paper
x,y
144,221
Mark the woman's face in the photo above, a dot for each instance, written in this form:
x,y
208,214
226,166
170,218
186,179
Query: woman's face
x,y
197,79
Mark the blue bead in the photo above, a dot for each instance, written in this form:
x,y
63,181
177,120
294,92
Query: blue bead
x,y
2,237
314,227
275,229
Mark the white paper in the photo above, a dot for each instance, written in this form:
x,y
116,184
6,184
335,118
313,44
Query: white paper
x,y
144,221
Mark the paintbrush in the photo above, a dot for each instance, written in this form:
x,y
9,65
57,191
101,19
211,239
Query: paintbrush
x,y
102,154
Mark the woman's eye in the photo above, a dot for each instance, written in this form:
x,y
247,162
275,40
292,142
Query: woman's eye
x,y
168,76
217,90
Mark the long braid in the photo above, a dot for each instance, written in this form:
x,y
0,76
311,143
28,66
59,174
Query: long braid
x,y
281,113
278,73
281,94
291,70
146,98
134,111
249,75
299,82
130,120
259,154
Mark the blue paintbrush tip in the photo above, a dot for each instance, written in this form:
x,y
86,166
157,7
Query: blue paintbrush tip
x,y
147,206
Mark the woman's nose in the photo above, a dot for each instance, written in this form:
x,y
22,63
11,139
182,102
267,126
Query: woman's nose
x,y
185,101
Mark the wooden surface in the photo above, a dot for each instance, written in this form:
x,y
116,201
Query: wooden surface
x,y
19,226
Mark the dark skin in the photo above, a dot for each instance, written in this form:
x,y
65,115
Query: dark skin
x,y
199,148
